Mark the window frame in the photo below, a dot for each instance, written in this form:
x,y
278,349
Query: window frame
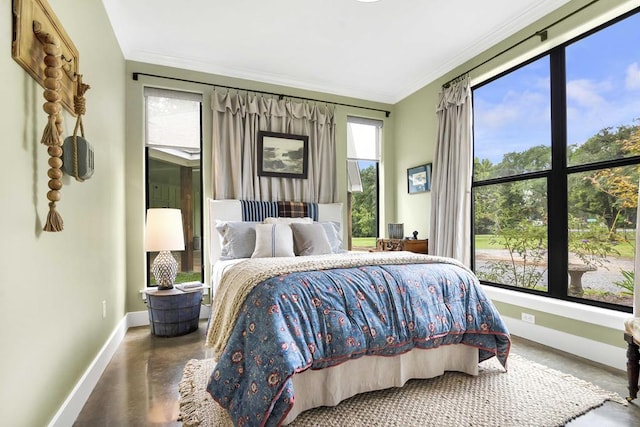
x,y
174,93
378,125
558,174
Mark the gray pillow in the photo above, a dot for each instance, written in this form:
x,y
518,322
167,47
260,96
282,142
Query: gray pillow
x,y
238,239
332,230
310,239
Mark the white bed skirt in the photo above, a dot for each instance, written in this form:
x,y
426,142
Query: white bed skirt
x,y
330,386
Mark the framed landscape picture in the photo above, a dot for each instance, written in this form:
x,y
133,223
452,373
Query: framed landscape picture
x,y
419,178
283,155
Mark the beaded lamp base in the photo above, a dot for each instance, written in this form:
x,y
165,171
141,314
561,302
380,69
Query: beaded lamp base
x,y
164,269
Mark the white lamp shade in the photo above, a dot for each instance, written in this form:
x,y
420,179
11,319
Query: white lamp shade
x,y
164,230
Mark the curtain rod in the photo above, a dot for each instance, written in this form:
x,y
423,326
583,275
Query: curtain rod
x,y
280,95
542,34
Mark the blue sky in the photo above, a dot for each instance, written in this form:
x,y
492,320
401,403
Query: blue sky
x,y
603,89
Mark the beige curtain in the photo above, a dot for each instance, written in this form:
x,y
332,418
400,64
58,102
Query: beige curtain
x,y
237,118
450,225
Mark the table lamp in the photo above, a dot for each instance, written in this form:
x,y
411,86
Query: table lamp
x,y
163,234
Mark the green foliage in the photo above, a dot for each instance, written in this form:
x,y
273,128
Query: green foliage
x,y
535,159
497,205
605,145
527,250
627,283
601,193
591,244
482,169
485,209
363,209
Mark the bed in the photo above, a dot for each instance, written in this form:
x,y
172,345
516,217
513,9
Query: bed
x,y
293,332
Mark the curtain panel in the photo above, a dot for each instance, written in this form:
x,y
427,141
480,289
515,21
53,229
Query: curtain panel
x,y
450,225
237,118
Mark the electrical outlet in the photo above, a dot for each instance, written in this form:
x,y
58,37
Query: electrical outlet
x,y
104,309
529,318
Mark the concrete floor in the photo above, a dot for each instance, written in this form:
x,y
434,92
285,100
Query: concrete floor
x,y
140,385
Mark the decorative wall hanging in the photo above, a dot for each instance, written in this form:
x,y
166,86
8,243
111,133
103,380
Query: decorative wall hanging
x,y
43,48
51,137
419,179
77,153
283,155
32,18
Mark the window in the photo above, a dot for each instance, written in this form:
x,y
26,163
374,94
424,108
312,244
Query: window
x,y
556,160
174,180
363,157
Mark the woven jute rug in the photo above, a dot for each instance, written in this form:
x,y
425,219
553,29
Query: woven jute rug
x,y
529,394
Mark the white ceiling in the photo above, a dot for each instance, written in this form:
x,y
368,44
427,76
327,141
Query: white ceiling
x,y
381,51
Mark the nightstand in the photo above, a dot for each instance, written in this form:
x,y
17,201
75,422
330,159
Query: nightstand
x,y
173,312
419,246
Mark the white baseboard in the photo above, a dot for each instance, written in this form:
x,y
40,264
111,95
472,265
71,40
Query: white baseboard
x,y
137,318
599,352
70,409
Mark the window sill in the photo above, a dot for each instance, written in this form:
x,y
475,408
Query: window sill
x,y
580,312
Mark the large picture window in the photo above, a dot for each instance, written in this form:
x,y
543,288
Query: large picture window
x,y
555,181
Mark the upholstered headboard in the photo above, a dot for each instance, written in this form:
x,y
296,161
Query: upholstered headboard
x,y
232,210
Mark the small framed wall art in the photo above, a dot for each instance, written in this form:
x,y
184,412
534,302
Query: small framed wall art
x,y
419,179
283,155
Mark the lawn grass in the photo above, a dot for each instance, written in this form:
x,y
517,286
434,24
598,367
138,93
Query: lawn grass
x,y
625,249
363,242
182,277
483,241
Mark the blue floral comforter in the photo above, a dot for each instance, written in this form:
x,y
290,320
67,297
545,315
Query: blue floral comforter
x,y
317,319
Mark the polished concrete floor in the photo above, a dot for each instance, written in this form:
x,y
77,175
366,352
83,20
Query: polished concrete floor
x,y
140,385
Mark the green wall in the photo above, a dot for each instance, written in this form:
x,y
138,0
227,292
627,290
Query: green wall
x,y
52,284
416,128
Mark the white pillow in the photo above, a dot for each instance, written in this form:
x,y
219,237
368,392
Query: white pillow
x,y
302,220
332,229
273,240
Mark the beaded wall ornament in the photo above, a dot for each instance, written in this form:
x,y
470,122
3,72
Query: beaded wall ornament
x,y
52,135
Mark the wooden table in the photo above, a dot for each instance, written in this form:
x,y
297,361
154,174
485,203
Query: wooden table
x,y
419,246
